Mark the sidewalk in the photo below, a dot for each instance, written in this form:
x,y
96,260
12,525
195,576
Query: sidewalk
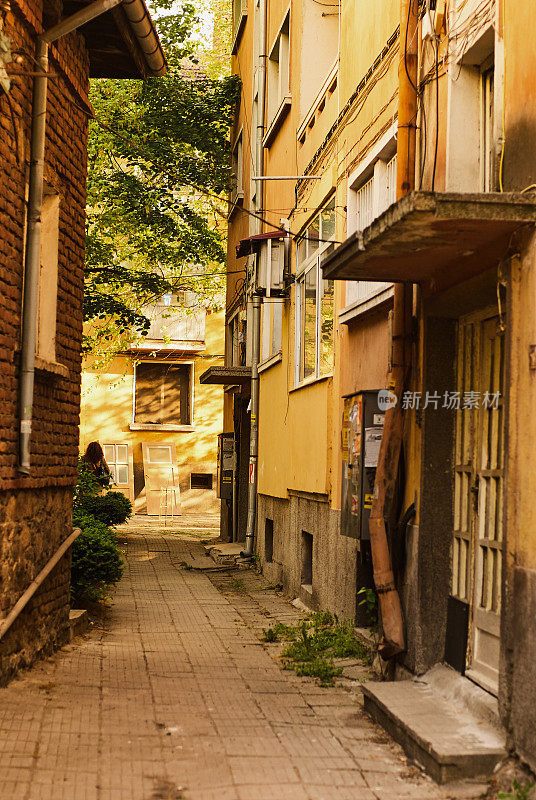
x,y
174,697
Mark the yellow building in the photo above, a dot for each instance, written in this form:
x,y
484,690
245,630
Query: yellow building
x,y
322,235
157,425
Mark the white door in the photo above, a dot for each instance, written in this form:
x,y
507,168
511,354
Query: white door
x,y
478,491
161,478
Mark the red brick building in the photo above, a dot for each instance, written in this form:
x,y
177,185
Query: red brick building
x,y
44,331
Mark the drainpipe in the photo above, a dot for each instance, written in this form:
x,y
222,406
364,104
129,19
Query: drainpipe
x,y
257,300
254,436
386,473
35,198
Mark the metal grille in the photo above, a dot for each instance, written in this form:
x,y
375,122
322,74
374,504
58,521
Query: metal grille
x,y
391,181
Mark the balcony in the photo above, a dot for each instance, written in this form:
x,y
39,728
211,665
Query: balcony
x,y
173,328
433,239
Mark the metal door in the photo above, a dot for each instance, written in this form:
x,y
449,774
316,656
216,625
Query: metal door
x,y
478,491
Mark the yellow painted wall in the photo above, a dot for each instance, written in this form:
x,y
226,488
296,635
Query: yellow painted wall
x,y
106,413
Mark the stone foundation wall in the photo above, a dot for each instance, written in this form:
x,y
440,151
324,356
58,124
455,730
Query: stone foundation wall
x,y
33,524
334,557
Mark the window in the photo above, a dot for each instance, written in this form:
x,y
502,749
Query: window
x,y
237,170
163,393
486,129
268,540
116,456
307,559
236,342
240,13
371,192
272,317
278,80
314,299
201,480
48,276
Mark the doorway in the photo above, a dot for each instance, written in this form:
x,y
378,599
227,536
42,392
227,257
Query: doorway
x,y
478,496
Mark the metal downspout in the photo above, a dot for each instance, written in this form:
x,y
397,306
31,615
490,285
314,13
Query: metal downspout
x,y
33,230
391,444
257,300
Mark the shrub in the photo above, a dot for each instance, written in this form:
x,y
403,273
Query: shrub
x,y
112,508
96,559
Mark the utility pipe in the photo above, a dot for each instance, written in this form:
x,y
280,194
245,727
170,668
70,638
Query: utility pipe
x,y
35,206
391,444
254,422
257,301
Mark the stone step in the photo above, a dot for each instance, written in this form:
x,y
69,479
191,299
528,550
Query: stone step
x,y
78,622
436,728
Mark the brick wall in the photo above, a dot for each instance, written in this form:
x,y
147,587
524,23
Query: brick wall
x,y
35,511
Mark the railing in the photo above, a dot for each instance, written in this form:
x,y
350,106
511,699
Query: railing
x,y
21,603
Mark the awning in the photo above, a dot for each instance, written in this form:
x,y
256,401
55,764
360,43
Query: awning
x,y
226,376
252,244
433,237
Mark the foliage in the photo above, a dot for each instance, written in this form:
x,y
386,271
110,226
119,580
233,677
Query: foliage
x,y
520,791
112,508
87,484
315,642
367,600
96,559
149,230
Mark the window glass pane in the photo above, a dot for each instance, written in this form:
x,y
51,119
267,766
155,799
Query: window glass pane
x,y
326,327
309,324
265,341
302,250
122,454
276,326
313,234
159,455
162,393
122,474
328,220
108,450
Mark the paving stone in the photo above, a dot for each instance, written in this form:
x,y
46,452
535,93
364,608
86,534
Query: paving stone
x,y
172,695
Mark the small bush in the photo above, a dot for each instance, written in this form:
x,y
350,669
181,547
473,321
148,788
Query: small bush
x,y
96,559
112,508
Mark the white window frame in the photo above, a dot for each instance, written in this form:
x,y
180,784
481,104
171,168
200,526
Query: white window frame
x,y
278,94
312,261
164,426
237,192
371,190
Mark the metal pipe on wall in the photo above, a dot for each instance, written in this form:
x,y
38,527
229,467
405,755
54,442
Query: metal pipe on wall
x,y
390,449
254,437
257,301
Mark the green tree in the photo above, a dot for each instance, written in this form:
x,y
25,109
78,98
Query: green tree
x,y
158,174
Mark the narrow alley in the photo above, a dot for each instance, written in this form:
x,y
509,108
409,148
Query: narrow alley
x,y
174,696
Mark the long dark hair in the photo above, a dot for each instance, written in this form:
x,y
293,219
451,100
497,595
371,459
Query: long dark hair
x,y
94,454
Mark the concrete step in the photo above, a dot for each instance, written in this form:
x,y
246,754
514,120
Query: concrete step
x,y
78,622
439,723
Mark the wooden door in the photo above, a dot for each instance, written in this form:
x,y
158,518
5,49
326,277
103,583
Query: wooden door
x,y
161,472
478,492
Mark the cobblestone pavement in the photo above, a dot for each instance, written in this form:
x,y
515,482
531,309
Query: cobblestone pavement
x,y
174,696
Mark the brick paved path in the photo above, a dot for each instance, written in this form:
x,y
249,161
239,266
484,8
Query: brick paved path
x,y
175,697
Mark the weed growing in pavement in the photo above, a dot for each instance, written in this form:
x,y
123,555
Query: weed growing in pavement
x,y
519,791
185,565
237,585
367,600
315,642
